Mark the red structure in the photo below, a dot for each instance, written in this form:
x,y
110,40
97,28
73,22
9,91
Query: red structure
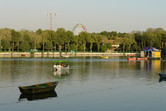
x,y
51,14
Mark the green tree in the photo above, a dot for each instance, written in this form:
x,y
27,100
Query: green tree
x,y
60,34
84,37
5,44
91,41
76,42
44,36
25,46
109,45
139,39
70,38
98,40
39,31
103,47
5,34
16,37
48,45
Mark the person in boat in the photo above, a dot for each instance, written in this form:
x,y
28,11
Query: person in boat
x,y
66,65
55,69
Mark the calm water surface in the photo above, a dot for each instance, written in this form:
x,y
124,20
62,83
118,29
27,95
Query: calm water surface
x,y
93,84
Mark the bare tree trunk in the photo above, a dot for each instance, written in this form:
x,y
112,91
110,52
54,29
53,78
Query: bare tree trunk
x,y
84,46
60,49
98,47
91,45
68,47
43,47
13,47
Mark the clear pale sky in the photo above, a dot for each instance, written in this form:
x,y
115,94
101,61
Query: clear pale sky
x,y
95,15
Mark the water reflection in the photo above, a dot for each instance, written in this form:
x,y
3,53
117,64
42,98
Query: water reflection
x,y
61,73
39,70
40,96
96,82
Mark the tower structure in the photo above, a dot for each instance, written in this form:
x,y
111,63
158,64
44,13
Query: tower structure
x,y
51,16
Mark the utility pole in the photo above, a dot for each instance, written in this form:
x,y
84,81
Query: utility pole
x,y
51,15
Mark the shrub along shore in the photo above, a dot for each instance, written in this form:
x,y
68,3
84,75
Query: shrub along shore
x,y
63,54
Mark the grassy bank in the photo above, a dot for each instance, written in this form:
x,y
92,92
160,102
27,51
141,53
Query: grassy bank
x,y
57,54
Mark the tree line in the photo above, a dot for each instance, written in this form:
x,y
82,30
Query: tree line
x,y
62,40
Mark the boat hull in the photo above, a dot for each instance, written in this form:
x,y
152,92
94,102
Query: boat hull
x,y
142,58
60,68
133,58
38,88
162,75
104,57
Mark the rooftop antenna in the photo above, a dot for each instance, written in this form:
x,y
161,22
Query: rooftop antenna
x,y
51,15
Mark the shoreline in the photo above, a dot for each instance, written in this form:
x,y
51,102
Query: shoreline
x,y
57,54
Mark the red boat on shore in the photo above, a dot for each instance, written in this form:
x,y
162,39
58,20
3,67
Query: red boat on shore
x,y
142,58
132,58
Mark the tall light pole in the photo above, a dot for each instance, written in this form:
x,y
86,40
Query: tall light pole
x,y
51,15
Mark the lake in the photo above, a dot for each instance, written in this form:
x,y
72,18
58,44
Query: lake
x,y
92,84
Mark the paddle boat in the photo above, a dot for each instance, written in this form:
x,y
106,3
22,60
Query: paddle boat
x,y
104,57
132,58
142,58
60,66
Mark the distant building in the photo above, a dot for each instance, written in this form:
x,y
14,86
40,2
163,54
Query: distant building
x,y
151,52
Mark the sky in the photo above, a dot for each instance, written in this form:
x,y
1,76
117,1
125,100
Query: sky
x,y
95,15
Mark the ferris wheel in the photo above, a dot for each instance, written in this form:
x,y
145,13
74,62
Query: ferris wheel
x,y
78,29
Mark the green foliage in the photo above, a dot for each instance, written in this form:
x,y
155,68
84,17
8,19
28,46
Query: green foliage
x,y
39,32
84,37
72,47
98,41
48,45
15,36
66,41
24,46
109,45
81,47
5,44
104,48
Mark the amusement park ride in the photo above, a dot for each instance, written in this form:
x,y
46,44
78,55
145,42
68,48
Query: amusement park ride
x,y
78,29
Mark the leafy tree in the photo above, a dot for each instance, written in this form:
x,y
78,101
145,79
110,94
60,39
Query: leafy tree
x,y
76,41
25,46
5,44
98,40
48,45
69,39
39,31
16,37
72,47
60,34
103,47
91,41
81,47
44,36
163,39
109,45
150,38
84,37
